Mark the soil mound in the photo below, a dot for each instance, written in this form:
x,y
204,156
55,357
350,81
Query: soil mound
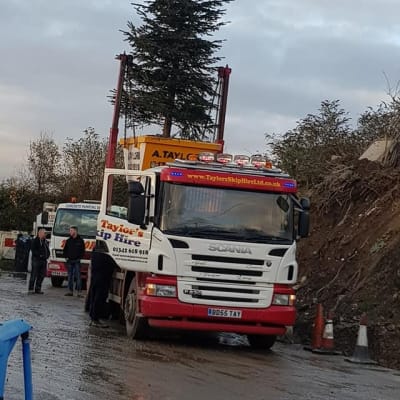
x,y
351,261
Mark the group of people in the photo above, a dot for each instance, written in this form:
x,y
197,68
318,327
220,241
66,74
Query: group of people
x,y
101,270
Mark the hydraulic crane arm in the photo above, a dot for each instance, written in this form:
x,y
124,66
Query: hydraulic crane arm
x,y
125,59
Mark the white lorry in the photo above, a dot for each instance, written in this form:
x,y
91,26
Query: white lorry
x,y
84,217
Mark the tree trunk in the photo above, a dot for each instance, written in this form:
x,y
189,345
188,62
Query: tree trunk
x,y
167,127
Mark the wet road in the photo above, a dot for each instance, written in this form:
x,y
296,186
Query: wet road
x,y
72,361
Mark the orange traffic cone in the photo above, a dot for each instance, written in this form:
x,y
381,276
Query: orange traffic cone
x,y
318,327
327,341
361,354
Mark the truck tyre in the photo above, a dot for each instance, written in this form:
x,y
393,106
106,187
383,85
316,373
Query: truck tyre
x,y
136,325
261,341
57,281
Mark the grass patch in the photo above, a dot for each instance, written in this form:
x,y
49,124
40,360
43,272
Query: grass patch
x,y
377,246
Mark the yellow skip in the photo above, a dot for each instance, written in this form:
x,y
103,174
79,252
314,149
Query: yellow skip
x,y
144,152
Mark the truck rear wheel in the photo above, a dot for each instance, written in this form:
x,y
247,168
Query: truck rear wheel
x,y
261,341
136,325
57,281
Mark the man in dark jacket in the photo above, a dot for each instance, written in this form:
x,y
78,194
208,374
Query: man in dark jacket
x,y
40,254
102,267
74,251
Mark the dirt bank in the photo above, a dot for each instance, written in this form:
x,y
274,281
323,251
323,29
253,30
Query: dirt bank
x,y
350,263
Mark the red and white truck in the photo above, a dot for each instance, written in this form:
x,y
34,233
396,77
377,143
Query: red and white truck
x,y
208,242
206,245
84,217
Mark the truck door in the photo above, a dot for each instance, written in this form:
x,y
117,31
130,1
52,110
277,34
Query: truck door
x,y
127,239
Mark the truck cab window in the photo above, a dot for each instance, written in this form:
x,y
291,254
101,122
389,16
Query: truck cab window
x,y
119,198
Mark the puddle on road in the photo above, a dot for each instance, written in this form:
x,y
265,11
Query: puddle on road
x,y
233,340
176,347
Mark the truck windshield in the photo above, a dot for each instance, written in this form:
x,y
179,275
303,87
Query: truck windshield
x,y
84,220
227,214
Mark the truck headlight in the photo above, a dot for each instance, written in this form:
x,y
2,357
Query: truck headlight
x,y
153,289
284,299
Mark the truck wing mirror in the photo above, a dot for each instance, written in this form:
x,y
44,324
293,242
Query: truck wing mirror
x,y
305,203
44,218
304,217
136,204
304,223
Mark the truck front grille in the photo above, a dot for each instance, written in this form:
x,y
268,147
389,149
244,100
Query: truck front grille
x,y
226,271
227,260
225,280
223,293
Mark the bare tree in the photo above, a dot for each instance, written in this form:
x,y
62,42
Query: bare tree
x,y
43,162
84,161
18,205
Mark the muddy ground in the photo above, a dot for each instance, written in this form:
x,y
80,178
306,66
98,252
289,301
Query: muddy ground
x,y
72,361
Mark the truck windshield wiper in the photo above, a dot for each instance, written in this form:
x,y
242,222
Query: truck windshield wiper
x,y
211,232
176,231
200,231
266,238
260,237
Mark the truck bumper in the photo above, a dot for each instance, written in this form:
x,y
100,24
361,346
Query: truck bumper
x,y
171,313
59,269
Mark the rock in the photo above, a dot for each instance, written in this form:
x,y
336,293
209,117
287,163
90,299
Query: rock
x,y
391,327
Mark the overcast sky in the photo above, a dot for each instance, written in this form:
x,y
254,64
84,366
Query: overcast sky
x,y
57,65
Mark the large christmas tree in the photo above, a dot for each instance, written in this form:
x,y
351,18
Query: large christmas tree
x,y
173,76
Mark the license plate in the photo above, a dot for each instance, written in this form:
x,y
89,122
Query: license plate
x,y
59,273
221,312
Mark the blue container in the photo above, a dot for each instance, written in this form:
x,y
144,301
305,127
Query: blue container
x,y
10,331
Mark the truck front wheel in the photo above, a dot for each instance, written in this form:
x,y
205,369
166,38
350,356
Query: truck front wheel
x,y
136,325
57,281
261,341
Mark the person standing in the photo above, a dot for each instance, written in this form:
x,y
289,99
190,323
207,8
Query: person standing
x,y
40,254
74,251
102,267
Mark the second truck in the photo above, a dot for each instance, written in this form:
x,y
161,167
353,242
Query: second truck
x,y
84,217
